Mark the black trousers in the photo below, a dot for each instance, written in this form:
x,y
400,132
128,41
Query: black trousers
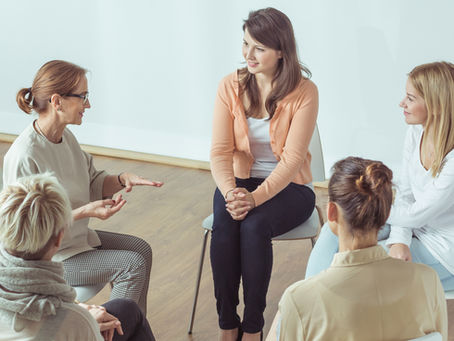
x,y
243,250
133,322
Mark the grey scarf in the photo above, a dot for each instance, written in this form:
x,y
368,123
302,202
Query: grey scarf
x,y
30,290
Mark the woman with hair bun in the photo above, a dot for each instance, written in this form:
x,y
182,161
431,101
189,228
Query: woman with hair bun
x,y
357,298
421,224
264,118
59,95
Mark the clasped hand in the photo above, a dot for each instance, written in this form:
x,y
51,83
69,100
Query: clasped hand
x,y
107,322
239,202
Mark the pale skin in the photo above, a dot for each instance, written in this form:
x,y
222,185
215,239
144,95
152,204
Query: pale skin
x,y
415,112
64,110
349,240
108,323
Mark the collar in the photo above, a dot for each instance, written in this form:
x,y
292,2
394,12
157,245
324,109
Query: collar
x,y
358,257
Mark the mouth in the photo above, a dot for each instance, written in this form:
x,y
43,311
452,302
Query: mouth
x,y
252,64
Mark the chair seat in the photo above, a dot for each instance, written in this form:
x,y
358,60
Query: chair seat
x,y
308,229
84,293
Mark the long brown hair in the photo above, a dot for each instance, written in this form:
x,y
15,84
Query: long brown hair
x,y
54,77
273,29
363,189
435,83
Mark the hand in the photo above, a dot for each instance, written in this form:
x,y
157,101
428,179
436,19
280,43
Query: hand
x,y
239,202
101,209
130,180
107,322
400,251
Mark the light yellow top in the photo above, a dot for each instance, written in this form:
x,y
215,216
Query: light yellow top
x,y
365,295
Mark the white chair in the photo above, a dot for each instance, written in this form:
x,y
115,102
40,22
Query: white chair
x,y
84,293
308,230
435,336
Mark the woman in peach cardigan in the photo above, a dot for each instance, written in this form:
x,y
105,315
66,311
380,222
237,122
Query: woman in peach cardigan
x,y
264,118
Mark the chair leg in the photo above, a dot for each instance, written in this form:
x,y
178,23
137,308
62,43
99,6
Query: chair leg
x,y
197,284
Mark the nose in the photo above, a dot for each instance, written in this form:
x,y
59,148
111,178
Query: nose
x,y
87,104
249,53
402,103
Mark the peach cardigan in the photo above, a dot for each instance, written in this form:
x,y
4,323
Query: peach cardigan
x,y
291,129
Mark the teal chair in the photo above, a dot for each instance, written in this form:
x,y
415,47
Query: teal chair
x,y
435,336
307,230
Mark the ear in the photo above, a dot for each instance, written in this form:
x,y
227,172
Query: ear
x,y
332,212
55,101
59,238
279,54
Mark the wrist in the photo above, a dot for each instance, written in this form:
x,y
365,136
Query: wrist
x,y
119,180
227,193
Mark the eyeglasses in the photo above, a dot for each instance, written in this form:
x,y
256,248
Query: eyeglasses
x,y
82,96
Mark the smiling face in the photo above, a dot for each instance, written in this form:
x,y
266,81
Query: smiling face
x,y
74,107
414,106
260,58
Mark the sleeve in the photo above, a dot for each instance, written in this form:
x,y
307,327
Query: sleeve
x,y
295,148
438,198
404,196
17,166
96,178
291,327
222,143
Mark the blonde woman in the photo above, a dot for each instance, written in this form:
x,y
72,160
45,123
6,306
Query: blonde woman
x,y
422,216
59,95
36,303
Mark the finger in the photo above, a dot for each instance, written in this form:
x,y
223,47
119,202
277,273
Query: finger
x,y
106,325
107,202
117,207
119,328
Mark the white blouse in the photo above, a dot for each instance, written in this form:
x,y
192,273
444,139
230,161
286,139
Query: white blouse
x,y
424,205
259,142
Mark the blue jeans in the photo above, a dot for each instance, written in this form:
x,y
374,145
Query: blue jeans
x,y
327,245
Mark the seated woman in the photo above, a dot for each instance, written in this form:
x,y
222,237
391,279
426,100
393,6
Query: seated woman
x,y
264,118
422,216
59,95
36,303
364,294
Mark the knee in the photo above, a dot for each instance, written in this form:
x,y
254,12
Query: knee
x,y
124,309
255,228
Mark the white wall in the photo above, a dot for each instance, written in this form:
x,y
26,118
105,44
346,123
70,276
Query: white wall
x,y
155,65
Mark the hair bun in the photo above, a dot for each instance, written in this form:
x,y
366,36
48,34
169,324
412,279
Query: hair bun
x,y
375,176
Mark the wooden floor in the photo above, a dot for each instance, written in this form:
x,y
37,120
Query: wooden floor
x,y
169,218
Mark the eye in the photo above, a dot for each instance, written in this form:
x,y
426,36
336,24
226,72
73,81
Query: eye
x,y
260,49
410,99
245,43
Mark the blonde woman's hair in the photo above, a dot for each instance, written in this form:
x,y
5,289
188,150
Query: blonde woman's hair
x,y
435,83
33,211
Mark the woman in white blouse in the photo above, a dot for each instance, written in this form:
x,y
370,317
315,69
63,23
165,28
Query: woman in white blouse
x,y
421,225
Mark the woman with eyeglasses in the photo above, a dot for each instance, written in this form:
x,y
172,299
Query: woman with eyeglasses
x,y
59,95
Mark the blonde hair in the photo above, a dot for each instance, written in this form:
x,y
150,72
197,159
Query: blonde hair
x,y
54,77
435,83
33,211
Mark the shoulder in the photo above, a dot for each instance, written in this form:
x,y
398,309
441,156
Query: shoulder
x,y
305,93
296,294
229,83
69,138
413,134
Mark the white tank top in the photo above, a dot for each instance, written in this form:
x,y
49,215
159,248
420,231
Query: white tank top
x,y
259,141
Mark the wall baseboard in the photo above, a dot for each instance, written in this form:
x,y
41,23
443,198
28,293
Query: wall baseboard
x,y
127,154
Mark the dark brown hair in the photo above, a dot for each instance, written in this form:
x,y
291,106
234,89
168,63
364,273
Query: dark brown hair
x,y
54,77
273,29
363,189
